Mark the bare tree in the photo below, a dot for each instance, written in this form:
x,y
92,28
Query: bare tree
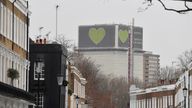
x,y
167,75
63,41
185,59
186,3
97,89
102,91
119,90
138,83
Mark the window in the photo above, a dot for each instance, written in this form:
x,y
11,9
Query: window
x,y
39,70
83,91
40,99
25,35
4,22
2,19
10,25
7,23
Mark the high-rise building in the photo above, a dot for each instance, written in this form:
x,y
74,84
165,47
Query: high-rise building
x,y
146,66
151,68
138,66
107,45
14,63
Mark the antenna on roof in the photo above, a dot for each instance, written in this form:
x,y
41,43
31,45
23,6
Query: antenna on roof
x,y
40,28
47,35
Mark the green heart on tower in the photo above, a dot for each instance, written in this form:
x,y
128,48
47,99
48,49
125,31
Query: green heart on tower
x,y
123,35
96,35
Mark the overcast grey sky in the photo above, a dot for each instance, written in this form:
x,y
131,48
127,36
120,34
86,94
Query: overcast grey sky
x,y
166,33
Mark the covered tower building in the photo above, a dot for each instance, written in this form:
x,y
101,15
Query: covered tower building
x,y
108,46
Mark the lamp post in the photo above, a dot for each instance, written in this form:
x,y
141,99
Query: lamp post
x,y
57,6
77,100
185,95
60,83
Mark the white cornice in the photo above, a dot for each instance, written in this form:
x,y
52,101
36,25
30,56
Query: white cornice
x,y
22,6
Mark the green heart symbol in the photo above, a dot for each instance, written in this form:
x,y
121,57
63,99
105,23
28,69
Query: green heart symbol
x,y
96,35
123,35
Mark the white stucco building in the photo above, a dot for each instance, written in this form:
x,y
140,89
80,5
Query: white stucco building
x,y
77,85
165,96
14,41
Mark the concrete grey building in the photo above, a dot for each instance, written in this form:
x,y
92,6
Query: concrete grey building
x,y
151,67
146,66
109,36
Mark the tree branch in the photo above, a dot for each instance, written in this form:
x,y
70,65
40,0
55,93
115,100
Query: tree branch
x,y
175,10
186,5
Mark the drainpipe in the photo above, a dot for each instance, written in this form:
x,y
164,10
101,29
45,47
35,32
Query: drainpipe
x,y
27,52
13,20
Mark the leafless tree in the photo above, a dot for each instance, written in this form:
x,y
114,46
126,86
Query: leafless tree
x,y
185,60
61,39
68,45
186,3
119,90
97,87
167,75
102,90
138,83
97,90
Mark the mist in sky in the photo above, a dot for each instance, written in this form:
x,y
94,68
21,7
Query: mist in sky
x,y
165,33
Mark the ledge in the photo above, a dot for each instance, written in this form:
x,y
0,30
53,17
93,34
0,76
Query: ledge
x,y
11,91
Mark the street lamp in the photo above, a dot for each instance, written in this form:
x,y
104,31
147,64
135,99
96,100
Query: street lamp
x,y
77,100
57,6
60,83
185,95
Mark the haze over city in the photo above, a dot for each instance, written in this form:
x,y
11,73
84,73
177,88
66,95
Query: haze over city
x,y
125,54
165,33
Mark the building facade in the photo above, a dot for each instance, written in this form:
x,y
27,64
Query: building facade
x,y
146,66
165,96
107,45
138,65
77,85
14,23
157,97
47,62
151,68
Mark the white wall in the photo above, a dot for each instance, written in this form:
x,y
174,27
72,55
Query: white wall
x,y
7,102
7,57
113,63
179,98
20,27
138,66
